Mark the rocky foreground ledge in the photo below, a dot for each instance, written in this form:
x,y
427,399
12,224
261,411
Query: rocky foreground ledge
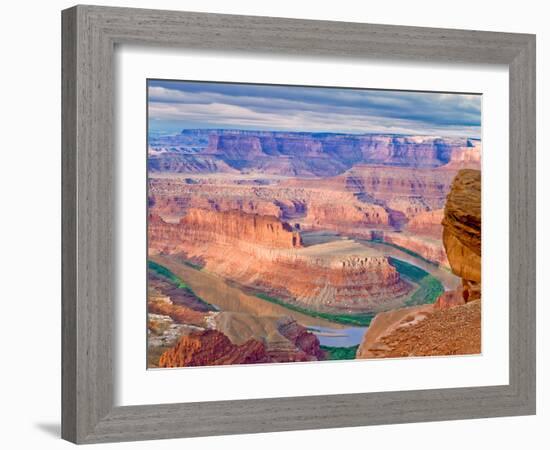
x,y
452,325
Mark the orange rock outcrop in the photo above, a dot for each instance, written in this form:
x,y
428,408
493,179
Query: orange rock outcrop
x,y
227,226
462,230
212,348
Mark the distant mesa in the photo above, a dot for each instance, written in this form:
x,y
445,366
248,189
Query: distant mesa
x,y
301,153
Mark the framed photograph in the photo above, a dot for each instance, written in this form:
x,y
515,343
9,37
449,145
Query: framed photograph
x,y
277,224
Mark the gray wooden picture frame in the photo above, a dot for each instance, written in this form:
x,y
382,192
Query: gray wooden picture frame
x,y
90,34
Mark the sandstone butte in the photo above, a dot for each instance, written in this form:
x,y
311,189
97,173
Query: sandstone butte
x,y
265,253
453,324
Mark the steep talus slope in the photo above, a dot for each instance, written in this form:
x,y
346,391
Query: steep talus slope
x,y
425,331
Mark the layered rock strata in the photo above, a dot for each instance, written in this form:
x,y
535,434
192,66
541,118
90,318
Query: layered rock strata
x,y
424,331
351,219
462,231
229,226
266,254
360,202
426,223
429,248
212,348
299,154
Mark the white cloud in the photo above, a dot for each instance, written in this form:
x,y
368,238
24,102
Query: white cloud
x,y
221,105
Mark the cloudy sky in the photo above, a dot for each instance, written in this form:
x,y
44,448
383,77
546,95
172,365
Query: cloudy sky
x,y
175,105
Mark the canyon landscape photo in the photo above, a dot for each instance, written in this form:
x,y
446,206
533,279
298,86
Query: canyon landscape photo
x,y
300,224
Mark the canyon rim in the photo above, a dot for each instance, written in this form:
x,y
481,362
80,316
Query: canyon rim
x,y
293,224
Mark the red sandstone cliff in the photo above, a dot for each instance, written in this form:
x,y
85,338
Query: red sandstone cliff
x,y
201,226
227,226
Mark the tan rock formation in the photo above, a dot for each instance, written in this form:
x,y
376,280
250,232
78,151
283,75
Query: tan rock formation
x,y
462,230
400,188
223,227
468,157
298,154
303,339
